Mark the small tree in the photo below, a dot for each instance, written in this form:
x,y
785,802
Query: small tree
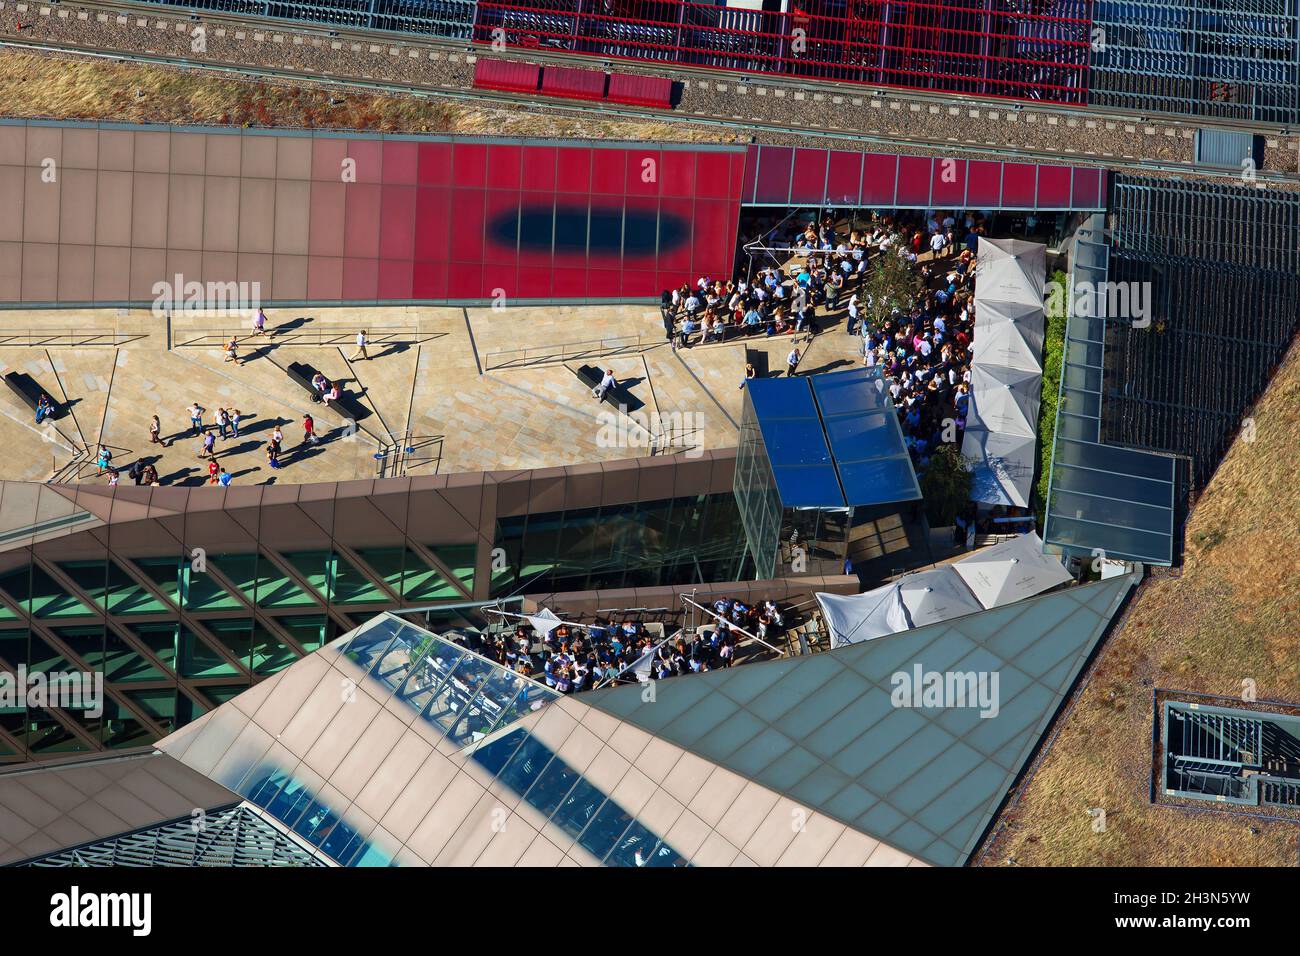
x,y
891,283
945,486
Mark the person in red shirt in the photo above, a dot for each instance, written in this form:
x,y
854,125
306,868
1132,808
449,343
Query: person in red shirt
x,y
308,430
213,468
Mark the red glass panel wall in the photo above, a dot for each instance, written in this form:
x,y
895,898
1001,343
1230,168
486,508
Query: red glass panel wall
x,y
333,217
784,176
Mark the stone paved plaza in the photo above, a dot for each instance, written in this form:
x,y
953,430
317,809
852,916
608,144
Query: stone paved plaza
x,y
464,389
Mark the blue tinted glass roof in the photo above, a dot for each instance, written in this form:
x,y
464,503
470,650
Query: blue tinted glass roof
x,y
819,431
813,486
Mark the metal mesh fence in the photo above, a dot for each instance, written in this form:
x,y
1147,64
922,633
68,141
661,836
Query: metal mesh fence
x,y
1223,268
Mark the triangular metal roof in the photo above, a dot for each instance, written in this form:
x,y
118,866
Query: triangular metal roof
x,y
824,731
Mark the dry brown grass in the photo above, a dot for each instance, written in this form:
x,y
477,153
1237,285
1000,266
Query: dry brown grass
x,y
1233,615
72,88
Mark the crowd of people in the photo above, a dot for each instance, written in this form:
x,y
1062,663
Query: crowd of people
x,y
572,658
923,346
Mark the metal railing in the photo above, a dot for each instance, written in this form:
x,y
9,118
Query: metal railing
x,y
333,336
564,351
66,338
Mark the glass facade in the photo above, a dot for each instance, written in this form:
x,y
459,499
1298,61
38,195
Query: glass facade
x,y
688,540
197,594
821,465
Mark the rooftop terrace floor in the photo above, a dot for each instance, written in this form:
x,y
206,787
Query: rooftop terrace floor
x,y
451,384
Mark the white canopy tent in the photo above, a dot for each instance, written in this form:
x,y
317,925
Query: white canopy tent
x,y
1007,371
1011,270
1009,335
1004,401
989,578
1003,466
1010,571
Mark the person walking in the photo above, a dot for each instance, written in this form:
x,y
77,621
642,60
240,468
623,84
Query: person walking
x,y
232,350
155,432
309,430
102,460
196,417
234,422
259,322
273,454
792,362
361,346
209,448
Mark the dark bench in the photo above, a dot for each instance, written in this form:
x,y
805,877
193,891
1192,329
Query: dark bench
x,y
347,403
26,388
616,397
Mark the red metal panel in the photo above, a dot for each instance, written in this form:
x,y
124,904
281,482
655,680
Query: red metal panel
x,y
808,183
914,181
1086,191
640,90
465,281
432,224
609,171
644,172
640,233
466,215
503,166
327,202
539,167
712,174
429,280
397,207
675,219
751,174
573,174
435,164
534,282
1053,187
501,227
469,165
879,179
401,162
395,279
714,233
678,172
360,279
506,75
1019,185
844,177
984,190
949,187
361,220
366,158
604,283
573,84
774,165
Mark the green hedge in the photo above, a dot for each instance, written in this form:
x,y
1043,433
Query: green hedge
x,y
1053,368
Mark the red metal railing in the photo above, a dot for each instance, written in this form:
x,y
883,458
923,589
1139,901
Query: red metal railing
x,y
1029,49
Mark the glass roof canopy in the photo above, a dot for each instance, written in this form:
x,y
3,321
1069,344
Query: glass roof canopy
x,y
833,440
467,697
1101,497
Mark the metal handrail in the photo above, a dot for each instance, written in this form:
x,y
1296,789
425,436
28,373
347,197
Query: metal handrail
x,y
564,351
333,336
66,338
